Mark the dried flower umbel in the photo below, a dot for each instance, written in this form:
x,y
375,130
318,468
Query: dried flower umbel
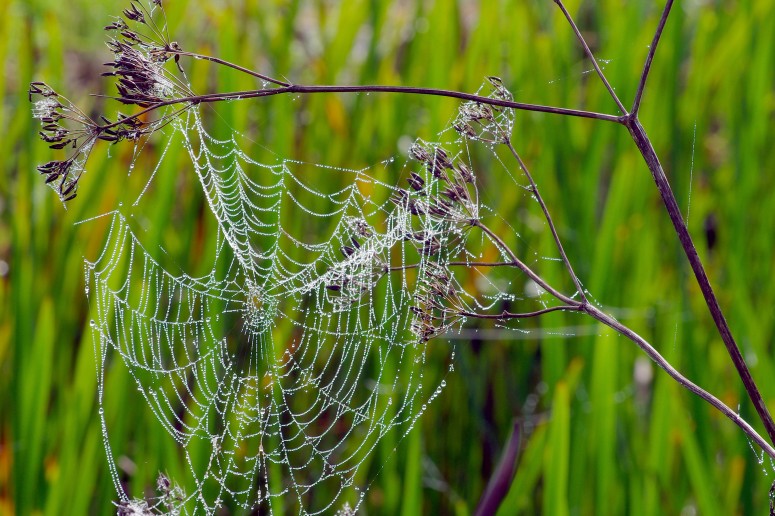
x,y
141,48
63,126
484,122
141,80
457,202
437,304
445,197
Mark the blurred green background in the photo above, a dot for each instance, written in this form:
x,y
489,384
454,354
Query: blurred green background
x,y
604,433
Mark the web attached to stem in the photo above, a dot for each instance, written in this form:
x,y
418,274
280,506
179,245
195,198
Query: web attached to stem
x,y
278,373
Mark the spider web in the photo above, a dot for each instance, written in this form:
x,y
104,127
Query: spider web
x,y
306,342
278,372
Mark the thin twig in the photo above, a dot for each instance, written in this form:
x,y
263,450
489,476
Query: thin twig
x,y
548,217
650,58
457,264
577,307
298,88
524,268
681,379
223,62
591,56
642,343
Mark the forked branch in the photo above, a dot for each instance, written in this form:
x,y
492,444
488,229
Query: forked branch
x,y
144,82
641,140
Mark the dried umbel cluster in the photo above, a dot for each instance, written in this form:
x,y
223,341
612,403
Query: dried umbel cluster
x,y
484,122
65,127
453,197
142,48
444,199
141,80
62,126
437,304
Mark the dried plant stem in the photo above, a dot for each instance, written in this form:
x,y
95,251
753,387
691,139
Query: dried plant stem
x,y
681,379
548,217
302,89
521,266
523,315
602,317
456,264
674,211
237,67
591,56
650,57
639,136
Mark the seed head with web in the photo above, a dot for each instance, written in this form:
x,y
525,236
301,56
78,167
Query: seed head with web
x,y
277,373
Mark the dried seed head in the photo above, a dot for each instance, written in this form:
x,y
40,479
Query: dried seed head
x,y
486,122
117,25
361,227
54,169
134,14
418,236
464,129
431,247
416,207
42,89
456,193
141,80
438,272
399,197
419,152
163,484
441,159
441,208
416,181
498,89
464,173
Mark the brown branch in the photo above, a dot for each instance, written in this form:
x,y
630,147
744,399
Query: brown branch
x,y
548,218
298,88
650,58
457,264
223,62
681,379
520,265
591,56
671,205
577,307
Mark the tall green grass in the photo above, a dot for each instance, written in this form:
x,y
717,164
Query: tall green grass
x,y
594,440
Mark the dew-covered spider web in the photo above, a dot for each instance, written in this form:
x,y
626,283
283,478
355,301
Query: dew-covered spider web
x,y
279,371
